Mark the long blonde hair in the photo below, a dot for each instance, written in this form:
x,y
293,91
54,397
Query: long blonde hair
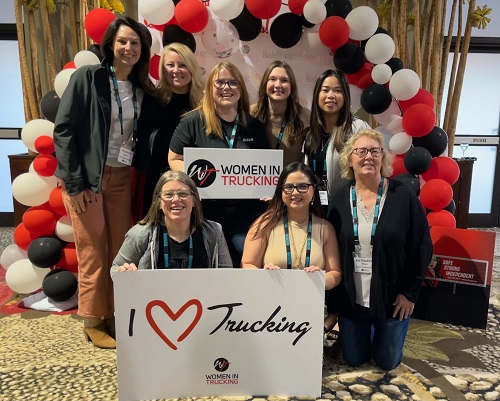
x,y
207,107
196,84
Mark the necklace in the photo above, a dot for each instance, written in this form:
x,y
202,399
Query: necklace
x,y
298,256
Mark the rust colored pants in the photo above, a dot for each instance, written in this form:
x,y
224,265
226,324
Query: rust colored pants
x,y
99,233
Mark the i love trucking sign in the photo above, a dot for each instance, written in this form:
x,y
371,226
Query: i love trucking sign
x,y
234,173
219,332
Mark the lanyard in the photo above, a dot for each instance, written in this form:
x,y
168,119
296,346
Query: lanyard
x,y
282,130
119,102
230,141
375,215
321,173
165,250
287,243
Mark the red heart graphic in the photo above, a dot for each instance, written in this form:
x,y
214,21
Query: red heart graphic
x,y
174,317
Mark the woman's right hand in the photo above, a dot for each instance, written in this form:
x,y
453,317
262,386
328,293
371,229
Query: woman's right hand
x,y
126,267
79,201
271,266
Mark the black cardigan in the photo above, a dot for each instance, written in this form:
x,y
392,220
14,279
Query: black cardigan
x,y
402,250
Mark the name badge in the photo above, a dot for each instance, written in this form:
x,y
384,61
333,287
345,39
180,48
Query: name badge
x,y
362,265
323,197
125,156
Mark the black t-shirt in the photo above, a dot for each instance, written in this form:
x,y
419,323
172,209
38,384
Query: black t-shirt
x,y
178,254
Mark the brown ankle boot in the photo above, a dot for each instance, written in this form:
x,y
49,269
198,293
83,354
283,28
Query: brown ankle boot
x,y
99,336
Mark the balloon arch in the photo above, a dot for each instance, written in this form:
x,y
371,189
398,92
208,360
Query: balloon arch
x,y
44,254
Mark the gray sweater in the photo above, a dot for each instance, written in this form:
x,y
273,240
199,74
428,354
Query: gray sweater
x,y
141,248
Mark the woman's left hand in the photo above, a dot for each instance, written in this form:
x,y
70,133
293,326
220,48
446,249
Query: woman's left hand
x,y
403,307
311,269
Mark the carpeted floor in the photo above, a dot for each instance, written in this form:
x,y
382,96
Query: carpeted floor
x,y
43,356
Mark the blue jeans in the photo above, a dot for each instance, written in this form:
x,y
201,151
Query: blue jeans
x,y
364,336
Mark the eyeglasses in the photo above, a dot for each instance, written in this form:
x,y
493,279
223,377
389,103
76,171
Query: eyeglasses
x,y
169,195
301,188
362,152
232,84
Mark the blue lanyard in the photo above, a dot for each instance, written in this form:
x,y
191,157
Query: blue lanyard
x,y
119,102
166,252
323,173
375,215
230,141
287,243
282,130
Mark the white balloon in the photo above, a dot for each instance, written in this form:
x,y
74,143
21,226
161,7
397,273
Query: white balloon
x,y
12,254
64,229
24,277
404,84
400,143
31,190
380,48
62,80
51,181
220,38
157,11
390,114
355,97
35,128
396,125
155,46
314,11
381,74
85,57
311,43
363,22
226,9
385,134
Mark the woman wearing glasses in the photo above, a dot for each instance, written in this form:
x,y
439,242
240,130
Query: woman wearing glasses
x,y
385,248
291,234
173,235
279,110
223,121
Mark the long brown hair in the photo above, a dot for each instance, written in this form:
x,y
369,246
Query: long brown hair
x,y
317,124
294,125
207,107
277,209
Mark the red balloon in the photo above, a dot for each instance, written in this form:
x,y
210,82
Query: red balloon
x,y
423,96
365,79
45,165
297,6
263,9
444,168
191,15
69,260
96,22
39,221
22,237
398,165
361,75
441,218
436,194
44,145
56,201
334,32
70,64
419,120
154,66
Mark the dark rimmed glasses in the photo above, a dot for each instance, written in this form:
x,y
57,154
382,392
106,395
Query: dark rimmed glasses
x,y
232,84
301,188
362,152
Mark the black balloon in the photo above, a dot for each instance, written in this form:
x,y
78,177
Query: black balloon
x,y
376,99
451,207
247,25
49,104
435,141
96,50
349,58
45,251
174,33
338,7
286,30
60,285
305,22
379,30
409,180
417,160
396,64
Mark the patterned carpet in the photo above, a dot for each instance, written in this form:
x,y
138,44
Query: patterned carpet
x,y
43,356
